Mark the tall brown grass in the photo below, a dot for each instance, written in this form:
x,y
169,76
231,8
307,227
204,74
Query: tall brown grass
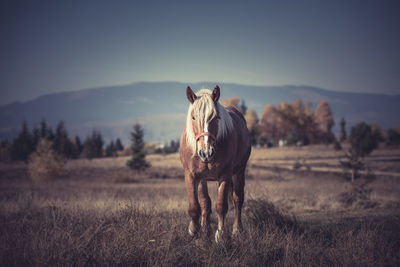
x,y
96,216
51,235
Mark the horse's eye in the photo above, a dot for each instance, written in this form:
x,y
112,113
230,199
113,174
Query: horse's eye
x,y
193,118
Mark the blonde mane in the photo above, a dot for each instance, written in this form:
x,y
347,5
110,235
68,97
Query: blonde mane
x,y
205,110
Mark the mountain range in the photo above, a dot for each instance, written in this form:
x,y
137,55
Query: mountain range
x,y
161,108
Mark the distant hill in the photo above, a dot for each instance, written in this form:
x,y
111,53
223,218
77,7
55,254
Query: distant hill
x,y
161,107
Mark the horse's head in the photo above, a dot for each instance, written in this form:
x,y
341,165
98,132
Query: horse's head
x,y
203,118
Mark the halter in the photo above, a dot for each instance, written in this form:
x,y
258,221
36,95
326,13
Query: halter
x,y
204,134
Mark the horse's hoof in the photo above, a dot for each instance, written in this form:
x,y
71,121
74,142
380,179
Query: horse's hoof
x,y
237,231
218,236
192,232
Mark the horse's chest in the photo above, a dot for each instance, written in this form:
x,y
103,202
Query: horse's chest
x,y
207,171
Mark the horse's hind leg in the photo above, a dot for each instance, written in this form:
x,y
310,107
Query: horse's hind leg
x,y
222,205
238,198
205,204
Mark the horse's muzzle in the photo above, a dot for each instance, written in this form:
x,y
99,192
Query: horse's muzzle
x,y
207,155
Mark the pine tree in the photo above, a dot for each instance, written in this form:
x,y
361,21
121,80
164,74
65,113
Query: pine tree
x,y
94,145
111,149
35,137
62,144
243,107
43,129
50,134
79,145
22,145
362,143
342,133
118,145
362,140
393,136
138,161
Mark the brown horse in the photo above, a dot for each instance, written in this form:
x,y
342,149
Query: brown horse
x,y
214,146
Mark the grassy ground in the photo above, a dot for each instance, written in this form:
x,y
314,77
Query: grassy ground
x,y
100,213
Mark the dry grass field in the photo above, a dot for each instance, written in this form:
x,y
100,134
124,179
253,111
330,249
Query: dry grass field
x,y
299,211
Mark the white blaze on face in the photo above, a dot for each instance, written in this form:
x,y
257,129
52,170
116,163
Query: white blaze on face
x,y
206,136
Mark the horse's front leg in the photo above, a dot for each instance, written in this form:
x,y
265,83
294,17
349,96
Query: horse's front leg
x,y
205,204
222,205
194,207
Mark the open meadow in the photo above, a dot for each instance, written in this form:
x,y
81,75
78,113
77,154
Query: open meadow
x,y
300,210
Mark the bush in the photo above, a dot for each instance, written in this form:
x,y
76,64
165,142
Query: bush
x,y
45,164
337,146
262,214
393,137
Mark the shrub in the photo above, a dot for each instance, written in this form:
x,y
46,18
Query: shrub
x,y
262,214
45,164
393,136
337,146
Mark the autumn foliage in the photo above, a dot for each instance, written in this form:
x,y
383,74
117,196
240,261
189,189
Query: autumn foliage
x,y
45,163
295,123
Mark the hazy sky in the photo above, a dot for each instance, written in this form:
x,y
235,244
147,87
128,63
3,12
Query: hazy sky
x,y
52,46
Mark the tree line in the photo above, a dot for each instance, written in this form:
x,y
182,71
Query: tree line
x,y
93,146
297,123
26,141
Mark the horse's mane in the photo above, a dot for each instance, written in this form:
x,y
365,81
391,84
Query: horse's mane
x,y
205,109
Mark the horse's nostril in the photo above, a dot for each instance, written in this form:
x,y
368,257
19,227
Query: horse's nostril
x,y
201,153
212,151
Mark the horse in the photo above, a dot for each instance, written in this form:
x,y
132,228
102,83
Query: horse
x,y
214,146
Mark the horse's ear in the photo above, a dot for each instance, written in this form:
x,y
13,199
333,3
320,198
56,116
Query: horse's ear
x,y
191,96
215,94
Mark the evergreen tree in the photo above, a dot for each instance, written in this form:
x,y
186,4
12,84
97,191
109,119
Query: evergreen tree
x,y
60,139
22,145
111,149
94,145
362,140
36,137
118,145
243,107
50,134
62,144
44,131
261,140
362,143
342,133
79,145
173,146
138,161
393,136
